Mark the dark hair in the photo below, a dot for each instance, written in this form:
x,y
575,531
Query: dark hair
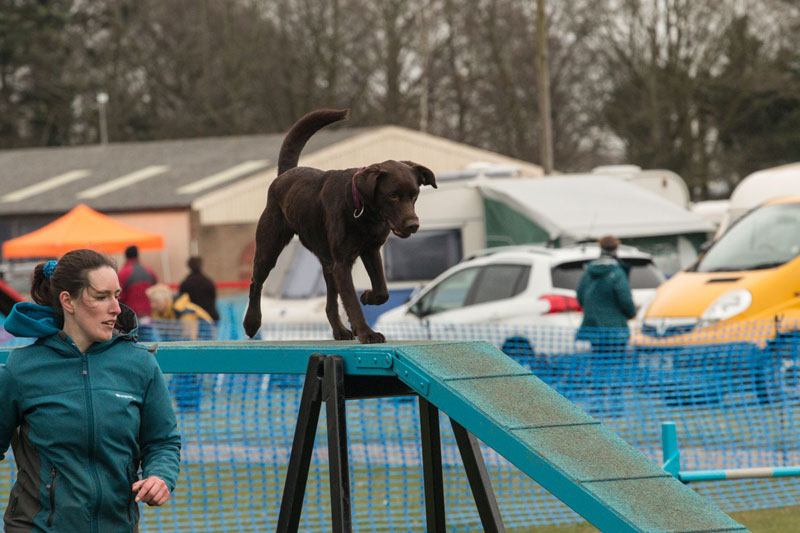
x,y
609,243
132,252
71,274
195,264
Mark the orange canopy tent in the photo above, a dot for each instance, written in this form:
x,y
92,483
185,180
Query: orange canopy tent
x,y
83,227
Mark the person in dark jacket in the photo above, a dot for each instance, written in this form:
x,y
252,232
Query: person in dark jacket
x,y
135,278
605,295
84,407
200,288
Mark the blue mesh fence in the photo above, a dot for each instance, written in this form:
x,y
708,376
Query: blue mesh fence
x,y
734,404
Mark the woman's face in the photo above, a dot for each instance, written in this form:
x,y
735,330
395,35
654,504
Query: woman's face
x,y
91,316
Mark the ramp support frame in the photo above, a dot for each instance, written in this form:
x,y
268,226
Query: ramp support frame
x,y
326,381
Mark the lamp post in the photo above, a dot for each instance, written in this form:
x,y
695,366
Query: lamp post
x,y
102,99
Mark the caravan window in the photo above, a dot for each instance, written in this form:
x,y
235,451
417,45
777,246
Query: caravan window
x,y
422,256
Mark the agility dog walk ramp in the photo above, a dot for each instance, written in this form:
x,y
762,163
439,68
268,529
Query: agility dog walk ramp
x,y
570,454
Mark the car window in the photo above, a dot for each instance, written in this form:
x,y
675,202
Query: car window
x,y
567,275
498,282
450,293
644,275
765,238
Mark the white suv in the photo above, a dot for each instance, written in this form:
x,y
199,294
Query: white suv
x,y
514,285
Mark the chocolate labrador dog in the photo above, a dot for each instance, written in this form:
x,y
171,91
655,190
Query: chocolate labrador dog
x,y
340,215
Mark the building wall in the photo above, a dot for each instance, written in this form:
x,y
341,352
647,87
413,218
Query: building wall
x,y
227,250
174,226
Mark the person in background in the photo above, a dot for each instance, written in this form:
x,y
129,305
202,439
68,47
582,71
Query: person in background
x,y
180,319
607,301
194,322
84,407
135,278
200,288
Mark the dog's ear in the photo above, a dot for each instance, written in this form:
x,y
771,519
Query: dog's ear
x,y
366,181
424,174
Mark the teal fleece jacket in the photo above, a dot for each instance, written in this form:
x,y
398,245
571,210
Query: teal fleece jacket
x,y
81,426
605,295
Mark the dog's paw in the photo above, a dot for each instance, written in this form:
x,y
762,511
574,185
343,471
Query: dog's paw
x,y
343,334
252,321
369,297
371,337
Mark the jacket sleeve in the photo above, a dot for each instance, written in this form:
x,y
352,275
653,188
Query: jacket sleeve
x,y
624,296
581,288
9,413
158,435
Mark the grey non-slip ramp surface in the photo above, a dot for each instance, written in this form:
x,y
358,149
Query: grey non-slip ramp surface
x,y
569,453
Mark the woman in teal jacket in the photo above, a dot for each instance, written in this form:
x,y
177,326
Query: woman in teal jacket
x,y
605,295
84,407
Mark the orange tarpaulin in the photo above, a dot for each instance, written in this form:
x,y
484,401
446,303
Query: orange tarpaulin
x,y
83,227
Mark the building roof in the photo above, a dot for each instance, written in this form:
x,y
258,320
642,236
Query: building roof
x,y
138,176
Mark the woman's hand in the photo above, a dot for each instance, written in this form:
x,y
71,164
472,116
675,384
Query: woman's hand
x,y
151,490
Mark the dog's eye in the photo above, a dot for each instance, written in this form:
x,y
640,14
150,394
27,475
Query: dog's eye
x,y
394,196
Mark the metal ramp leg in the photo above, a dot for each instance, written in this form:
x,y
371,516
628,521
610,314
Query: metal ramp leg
x,y
479,480
302,446
432,466
338,464
325,381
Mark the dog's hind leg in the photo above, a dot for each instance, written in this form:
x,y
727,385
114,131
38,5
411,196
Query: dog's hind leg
x,y
340,332
272,236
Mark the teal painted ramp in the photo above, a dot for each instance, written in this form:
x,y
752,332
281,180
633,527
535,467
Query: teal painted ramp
x,y
569,453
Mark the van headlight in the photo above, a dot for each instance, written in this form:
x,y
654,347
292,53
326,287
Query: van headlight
x,y
726,306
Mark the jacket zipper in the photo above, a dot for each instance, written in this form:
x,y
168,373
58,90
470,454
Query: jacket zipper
x,y
91,441
51,488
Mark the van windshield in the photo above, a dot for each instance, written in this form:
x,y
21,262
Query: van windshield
x,y
766,238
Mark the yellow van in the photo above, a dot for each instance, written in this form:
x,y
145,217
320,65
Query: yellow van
x,y
745,288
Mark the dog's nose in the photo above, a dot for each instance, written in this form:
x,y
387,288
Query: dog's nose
x,y
412,226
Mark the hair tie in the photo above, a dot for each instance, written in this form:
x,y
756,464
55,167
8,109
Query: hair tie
x,y
48,268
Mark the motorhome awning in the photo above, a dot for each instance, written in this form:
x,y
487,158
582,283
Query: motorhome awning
x,y
582,207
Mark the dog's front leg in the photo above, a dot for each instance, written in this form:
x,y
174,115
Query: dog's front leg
x,y
379,293
344,283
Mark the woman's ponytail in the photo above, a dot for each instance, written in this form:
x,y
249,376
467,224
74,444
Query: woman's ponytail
x,y
41,288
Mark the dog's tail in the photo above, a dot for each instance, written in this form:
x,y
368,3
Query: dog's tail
x,y
302,131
